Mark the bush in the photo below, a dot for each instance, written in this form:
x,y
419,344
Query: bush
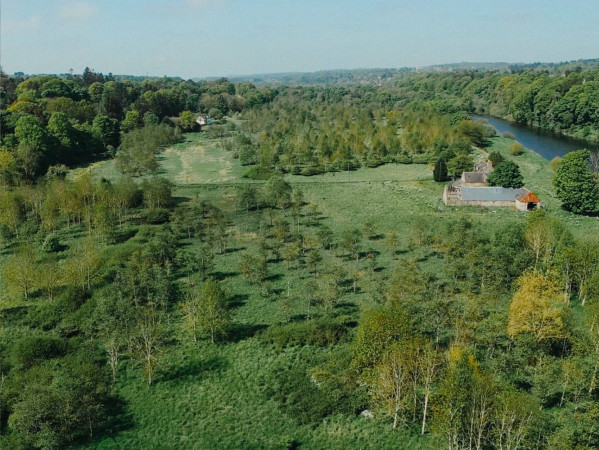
x,y
308,401
247,155
120,235
320,333
312,170
258,173
517,149
32,350
495,157
157,216
507,134
52,244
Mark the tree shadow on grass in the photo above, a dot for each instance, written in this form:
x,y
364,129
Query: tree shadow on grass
x,y
238,300
346,308
240,332
116,420
274,277
191,369
223,275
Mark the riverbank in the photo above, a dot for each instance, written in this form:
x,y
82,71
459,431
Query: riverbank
x,y
538,177
546,143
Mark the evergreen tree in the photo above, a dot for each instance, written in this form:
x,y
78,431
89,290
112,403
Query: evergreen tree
x,y
440,172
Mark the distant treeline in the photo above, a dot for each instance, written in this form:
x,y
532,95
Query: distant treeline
x,y
50,121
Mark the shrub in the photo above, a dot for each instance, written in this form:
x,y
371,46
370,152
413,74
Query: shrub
x,y
517,149
32,350
319,332
312,170
157,216
495,157
507,134
52,244
247,155
308,401
258,173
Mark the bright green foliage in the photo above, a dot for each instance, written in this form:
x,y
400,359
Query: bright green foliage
x,y
212,313
106,131
188,121
277,192
575,184
506,174
459,164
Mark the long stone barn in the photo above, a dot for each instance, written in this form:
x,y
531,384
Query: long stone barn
x,y
522,199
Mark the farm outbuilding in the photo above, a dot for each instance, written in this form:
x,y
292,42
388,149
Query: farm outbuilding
x,y
459,195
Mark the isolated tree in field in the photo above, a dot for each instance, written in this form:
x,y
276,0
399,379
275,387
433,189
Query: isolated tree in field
x,y
440,171
506,174
277,192
147,343
213,314
254,266
157,192
50,279
325,237
351,240
536,308
517,149
247,197
83,267
290,253
575,184
190,310
20,271
391,241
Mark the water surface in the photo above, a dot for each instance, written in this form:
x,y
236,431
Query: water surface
x,y
547,144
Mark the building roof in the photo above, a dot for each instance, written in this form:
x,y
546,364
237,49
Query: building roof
x,y
483,166
525,196
474,177
489,194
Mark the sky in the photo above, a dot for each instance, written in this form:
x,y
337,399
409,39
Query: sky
x,y
205,38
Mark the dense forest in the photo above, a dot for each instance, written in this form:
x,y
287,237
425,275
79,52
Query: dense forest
x,y
325,297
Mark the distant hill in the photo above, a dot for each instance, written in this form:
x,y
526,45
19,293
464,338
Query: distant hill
x,y
376,77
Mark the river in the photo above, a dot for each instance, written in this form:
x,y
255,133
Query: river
x,y
547,144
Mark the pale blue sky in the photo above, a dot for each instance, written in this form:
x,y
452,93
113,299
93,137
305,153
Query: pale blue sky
x,y
198,38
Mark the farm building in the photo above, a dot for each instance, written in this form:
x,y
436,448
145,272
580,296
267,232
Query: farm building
x,y
479,176
472,190
522,199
